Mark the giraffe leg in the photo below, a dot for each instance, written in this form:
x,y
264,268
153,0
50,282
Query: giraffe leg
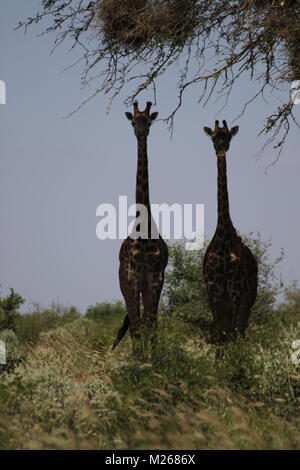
x,y
131,294
244,314
222,313
223,324
236,305
242,300
151,295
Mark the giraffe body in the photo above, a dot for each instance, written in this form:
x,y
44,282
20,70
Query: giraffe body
x,y
229,267
143,259
230,274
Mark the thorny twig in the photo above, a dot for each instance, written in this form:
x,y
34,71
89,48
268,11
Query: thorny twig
x,y
258,37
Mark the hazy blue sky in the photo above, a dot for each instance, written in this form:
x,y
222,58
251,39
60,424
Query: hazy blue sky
x,y
54,172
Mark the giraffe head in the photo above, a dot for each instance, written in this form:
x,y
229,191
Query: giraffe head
x,y
221,137
141,120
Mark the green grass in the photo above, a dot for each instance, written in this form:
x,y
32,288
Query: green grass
x,y
72,392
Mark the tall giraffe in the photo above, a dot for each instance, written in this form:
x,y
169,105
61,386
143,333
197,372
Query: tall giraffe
x,y
229,267
142,260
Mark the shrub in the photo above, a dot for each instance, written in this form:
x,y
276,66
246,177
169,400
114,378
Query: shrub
x,y
9,310
185,294
105,310
30,325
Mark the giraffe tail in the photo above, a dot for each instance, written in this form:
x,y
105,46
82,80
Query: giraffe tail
x,y
122,331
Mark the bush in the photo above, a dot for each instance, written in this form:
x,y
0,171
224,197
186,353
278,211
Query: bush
x,y
9,310
289,309
105,310
185,294
30,325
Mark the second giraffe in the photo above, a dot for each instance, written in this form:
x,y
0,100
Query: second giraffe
x,y
229,267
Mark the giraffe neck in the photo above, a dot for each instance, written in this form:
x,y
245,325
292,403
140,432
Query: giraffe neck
x,y
224,219
142,181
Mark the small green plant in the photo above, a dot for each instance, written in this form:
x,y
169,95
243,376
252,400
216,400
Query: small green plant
x,y
9,310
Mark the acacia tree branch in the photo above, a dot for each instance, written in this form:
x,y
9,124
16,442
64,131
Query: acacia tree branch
x,y
137,41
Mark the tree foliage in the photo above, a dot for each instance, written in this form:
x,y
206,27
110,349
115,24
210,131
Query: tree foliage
x,y
9,310
185,292
289,309
104,310
212,42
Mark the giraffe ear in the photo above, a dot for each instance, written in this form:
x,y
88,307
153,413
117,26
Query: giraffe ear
x,y
234,130
129,116
208,131
153,116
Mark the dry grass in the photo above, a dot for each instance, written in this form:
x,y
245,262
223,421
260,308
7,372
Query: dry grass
x,y
68,395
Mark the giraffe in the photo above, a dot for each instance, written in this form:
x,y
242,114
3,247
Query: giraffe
x,y
229,267
143,259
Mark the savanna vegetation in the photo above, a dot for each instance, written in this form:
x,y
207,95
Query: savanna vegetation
x,y
63,387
